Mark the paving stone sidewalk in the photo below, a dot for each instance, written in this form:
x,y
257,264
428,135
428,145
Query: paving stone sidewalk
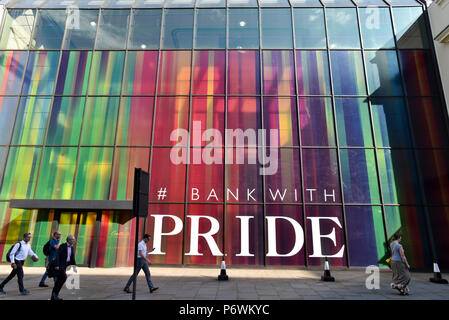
x,y
192,283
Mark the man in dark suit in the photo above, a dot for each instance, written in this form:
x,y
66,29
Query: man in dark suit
x,y
64,258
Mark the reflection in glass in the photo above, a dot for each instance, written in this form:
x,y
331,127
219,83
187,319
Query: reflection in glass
x,y
81,35
49,29
145,29
178,29
342,28
243,29
7,113
309,28
376,27
113,29
276,28
12,66
410,28
17,29
210,29
383,74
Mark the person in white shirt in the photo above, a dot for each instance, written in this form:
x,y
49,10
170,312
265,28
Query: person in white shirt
x,y
142,263
18,254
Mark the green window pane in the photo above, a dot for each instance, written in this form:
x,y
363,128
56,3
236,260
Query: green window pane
x,y
309,28
107,72
100,120
41,228
342,28
7,110
74,73
49,29
113,29
93,174
65,121
276,28
80,34
31,120
243,28
17,29
210,29
145,29
178,29
377,31
57,173
40,74
410,28
20,173
2,159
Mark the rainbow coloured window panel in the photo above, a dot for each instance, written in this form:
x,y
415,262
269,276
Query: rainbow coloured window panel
x,y
390,122
366,236
241,250
14,223
135,121
57,173
31,120
65,121
93,173
106,73
278,72
434,170
174,72
316,122
398,176
312,71
7,112
108,248
383,74
347,73
243,72
198,219
243,114
209,72
280,114
282,176
100,120
329,220
40,74
320,175
3,151
171,246
125,160
140,73
21,170
353,122
74,73
207,115
168,179
172,113
284,223
358,170
418,72
12,65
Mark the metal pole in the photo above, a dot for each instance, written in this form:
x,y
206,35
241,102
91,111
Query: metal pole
x,y
136,243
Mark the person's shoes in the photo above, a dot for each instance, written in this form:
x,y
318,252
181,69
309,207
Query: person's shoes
x,y
43,285
55,297
24,292
2,291
128,290
153,289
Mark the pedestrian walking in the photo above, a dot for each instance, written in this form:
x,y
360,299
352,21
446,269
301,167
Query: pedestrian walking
x,y
399,266
17,256
65,257
50,249
142,263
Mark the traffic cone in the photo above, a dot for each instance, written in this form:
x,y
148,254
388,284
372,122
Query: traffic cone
x,y
437,278
327,273
222,275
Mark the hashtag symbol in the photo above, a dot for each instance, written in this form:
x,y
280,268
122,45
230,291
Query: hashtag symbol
x,y
162,194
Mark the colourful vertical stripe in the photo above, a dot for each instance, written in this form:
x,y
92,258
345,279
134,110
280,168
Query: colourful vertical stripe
x,y
74,72
40,73
209,72
12,66
107,71
140,73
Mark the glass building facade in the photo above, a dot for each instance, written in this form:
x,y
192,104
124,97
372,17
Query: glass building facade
x,y
91,91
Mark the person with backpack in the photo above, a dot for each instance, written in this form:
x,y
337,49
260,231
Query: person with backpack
x,y
17,255
50,249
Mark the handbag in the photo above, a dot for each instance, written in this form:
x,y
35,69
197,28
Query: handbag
x,y
388,261
51,271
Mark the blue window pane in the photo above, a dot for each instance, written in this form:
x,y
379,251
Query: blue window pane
x,y
410,28
211,29
49,29
276,28
113,29
338,3
7,112
243,29
81,35
347,72
383,74
342,27
274,3
242,3
309,28
306,3
145,29
178,29
211,3
377,30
